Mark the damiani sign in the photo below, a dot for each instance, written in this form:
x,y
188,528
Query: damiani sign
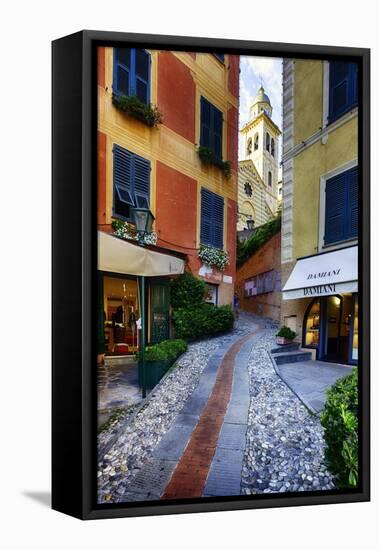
x,y
323,274
321,289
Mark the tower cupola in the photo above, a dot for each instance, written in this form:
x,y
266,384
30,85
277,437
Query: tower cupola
x,y
261,104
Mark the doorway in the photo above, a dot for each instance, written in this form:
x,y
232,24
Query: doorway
x,y
159,311
331,327
333,344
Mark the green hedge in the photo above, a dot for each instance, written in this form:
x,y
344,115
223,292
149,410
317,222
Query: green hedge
x,y
202,320
340,421
263,234
187,290
168,350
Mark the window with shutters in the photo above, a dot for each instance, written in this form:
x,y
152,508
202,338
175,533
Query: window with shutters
x,y
220,57
131,73
131,182
343,88
212,219
341,207
211,128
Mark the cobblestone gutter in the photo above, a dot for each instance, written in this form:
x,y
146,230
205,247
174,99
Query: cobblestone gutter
x,y
284,441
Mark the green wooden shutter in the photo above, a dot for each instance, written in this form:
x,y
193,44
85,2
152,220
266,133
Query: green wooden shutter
x,y
122,182
142,75
212,219
205,123
141,182
352,204
121,71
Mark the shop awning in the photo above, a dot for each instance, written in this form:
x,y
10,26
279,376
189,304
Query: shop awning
x,y
119,256
334,272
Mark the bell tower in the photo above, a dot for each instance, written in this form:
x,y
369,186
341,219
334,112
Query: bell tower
x,y
260,141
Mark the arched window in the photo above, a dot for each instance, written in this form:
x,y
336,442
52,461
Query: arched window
x,y
247,212
256,142
273,147
267,142
249,147
270,179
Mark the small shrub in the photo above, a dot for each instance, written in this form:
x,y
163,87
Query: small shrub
x,y
286,332
164,351
340,421
207,157
202,320
187,290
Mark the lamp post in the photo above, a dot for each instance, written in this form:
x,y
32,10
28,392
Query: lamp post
x,y
143,218
250,224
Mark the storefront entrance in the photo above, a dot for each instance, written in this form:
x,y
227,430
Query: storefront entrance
x,y
331,327
121,311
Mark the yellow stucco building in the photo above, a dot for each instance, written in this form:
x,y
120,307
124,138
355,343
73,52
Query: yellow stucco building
x,y
258,170
320,207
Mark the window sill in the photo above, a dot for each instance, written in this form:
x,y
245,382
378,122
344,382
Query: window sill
x,y
340,244
334,118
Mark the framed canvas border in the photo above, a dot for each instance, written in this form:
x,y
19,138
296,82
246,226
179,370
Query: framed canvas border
x,y
74,199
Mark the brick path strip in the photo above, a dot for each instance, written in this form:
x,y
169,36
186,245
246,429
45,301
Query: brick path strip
x,y
190,474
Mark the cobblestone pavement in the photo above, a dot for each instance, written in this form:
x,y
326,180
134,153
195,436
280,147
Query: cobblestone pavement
x,y
135,440
266,441
117,389
284,442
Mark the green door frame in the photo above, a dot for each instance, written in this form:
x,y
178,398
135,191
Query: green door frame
x,y
162,310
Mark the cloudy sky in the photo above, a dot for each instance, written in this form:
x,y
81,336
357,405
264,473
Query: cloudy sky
x,y
254,72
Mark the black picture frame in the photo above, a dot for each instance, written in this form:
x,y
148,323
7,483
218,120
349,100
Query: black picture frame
x,y
74,269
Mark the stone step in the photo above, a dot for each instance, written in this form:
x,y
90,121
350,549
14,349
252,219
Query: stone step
x,y
292,357
286,347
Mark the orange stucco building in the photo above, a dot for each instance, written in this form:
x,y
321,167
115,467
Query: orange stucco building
x,y
178,84
259,281
157,165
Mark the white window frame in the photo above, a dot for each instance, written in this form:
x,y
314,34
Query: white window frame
x,y
325,99
321,233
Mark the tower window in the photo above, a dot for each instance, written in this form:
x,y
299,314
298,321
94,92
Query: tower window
x,y
270,179
256,142
249,147
273,147
267,142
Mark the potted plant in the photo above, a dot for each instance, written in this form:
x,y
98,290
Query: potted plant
x,y
159,358
285,336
